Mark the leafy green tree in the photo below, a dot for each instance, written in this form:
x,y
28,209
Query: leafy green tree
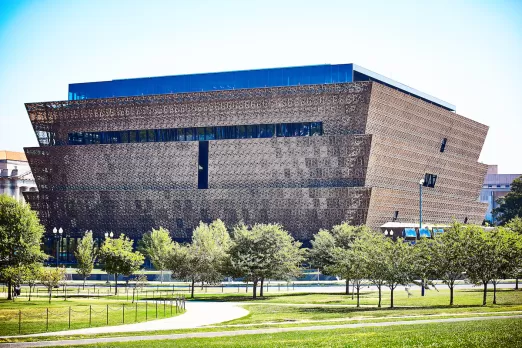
x,y
51,278
20,236
118,258
510,206
157,245
33,275
425,266
507,246
85,256
182,263
449,256
399,264
330,250
203,260
488,256
515,225
264,251
370,249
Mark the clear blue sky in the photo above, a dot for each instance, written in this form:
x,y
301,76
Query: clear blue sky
x,y
468,53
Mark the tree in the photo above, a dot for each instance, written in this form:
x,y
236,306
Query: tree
x,y
510,206
157,246
399,264
425,266
34,274
20,236
181,262
264,251
508,254
485,254
85,256
51,277
118,258
202,260
515,225
370,249
330,250
449,256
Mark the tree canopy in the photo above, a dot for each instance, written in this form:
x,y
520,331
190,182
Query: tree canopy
x,y
263,251
20,236
85,256
117,258
510,206
157,245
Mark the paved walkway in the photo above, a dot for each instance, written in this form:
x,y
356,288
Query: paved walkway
x,y
245,332
198,314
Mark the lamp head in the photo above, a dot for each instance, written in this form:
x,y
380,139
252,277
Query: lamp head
x,y
55,230
421,182
60,231
111,234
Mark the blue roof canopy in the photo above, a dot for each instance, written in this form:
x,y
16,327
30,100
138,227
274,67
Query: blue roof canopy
x,y
409,233
424,232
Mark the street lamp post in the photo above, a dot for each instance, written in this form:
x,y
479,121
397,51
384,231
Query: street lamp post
x,y
58,236
421,183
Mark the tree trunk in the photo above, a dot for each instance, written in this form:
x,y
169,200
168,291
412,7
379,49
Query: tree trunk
x,y
115,283
254,289
161,276
379,287
30,290
50,294
84,279
451,295
192,288
485,293
495,292
391,297
358,291
516,283
65,292
9,290
261,288
347,286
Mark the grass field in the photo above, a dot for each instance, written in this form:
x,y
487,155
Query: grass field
x,y
491,333
40,316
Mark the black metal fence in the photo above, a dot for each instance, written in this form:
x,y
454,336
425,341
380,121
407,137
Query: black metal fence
x,y
77,317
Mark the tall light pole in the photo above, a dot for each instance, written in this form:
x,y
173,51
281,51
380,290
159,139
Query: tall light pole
x,y
421,183
58,236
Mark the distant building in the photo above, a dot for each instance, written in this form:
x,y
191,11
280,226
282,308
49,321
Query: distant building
x,y
15,175
495,186
306,147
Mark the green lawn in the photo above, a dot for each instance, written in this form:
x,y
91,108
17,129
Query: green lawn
x,y
40,316
490,333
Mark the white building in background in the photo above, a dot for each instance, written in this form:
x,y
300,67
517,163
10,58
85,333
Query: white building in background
x,y
15,175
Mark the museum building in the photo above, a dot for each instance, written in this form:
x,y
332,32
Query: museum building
x,y
307,147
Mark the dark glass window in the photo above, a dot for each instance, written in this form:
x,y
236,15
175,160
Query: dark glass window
x,y
151,135
143,135
190,134
443,144
209,133
133,136
199,133
241,132
124,136
316,128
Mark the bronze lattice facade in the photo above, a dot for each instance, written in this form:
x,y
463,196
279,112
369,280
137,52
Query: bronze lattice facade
x,y
375,144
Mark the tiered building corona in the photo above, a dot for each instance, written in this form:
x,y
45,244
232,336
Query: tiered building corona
x,y
306,147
